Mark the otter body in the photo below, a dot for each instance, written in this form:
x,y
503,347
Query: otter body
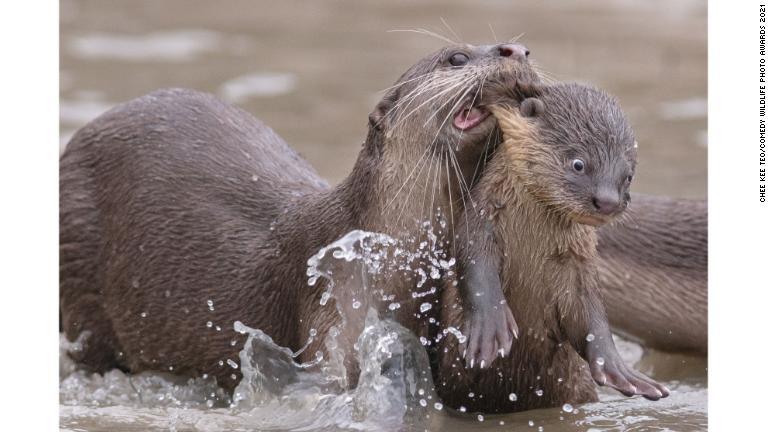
x,y
166,204
547,276
180,214
653,273
565,166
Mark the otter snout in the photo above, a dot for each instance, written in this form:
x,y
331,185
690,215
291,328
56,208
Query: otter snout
x,y
606,203
514,51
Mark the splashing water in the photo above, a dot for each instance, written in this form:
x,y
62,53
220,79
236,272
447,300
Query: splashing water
x,y
394,390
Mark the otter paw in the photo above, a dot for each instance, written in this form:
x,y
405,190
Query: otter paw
x,y
612,372
489,333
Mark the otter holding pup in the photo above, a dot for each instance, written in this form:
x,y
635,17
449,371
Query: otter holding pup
x,y
180,214
564,168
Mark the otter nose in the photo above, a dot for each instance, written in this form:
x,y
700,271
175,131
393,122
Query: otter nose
x,y
515,51
606,203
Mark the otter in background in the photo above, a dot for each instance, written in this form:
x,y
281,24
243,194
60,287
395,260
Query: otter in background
x,y
653,273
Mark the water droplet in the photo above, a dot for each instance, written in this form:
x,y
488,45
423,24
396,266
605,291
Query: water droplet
x,y
324,298
425,307
512,397
209,324
394,306
143,314
590,337
135,282
539,392
355,304
568,408
312,332
255,177
463,409
221,362
530,423
480,417
209,403
438,406
424,341
232,363
600,361
471,394
422,402
210,304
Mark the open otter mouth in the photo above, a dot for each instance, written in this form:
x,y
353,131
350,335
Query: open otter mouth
x,y
468,117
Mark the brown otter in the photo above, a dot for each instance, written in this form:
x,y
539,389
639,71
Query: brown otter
x,y
180,214
565,167
655,261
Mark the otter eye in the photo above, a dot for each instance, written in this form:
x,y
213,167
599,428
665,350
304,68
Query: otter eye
x,y
458,59
629,179
577,165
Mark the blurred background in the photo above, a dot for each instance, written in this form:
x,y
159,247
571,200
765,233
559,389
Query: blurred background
x,y
314,70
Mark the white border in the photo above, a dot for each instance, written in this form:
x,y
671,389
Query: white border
x,y
29,267
29,218
738,223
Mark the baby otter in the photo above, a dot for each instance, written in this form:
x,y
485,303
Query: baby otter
x,y
564,168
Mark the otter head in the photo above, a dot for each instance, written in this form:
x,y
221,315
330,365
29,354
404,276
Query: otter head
x,y
573,149
432,130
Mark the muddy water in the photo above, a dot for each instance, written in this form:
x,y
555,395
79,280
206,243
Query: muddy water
x,y
313,71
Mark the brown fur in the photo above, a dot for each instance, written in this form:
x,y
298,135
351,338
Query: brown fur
x,y
653,273
549,278
176,198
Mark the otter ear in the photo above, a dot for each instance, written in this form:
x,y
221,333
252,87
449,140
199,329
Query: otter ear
x,y
531,107
378,116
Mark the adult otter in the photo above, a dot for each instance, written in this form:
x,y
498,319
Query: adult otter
x,y
181,214
565,167
655,261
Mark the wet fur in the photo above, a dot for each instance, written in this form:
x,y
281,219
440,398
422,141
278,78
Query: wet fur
x,y
176,198
545,273
653,273
547,260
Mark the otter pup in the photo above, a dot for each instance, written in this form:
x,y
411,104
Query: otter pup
x,y
564,168
180,214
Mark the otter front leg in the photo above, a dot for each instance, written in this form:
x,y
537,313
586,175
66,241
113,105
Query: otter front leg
x,y
489,324
586,327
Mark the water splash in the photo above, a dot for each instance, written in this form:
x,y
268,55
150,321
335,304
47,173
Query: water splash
x,y
394,376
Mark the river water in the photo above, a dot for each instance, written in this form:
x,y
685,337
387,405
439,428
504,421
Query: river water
x,y
312,71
